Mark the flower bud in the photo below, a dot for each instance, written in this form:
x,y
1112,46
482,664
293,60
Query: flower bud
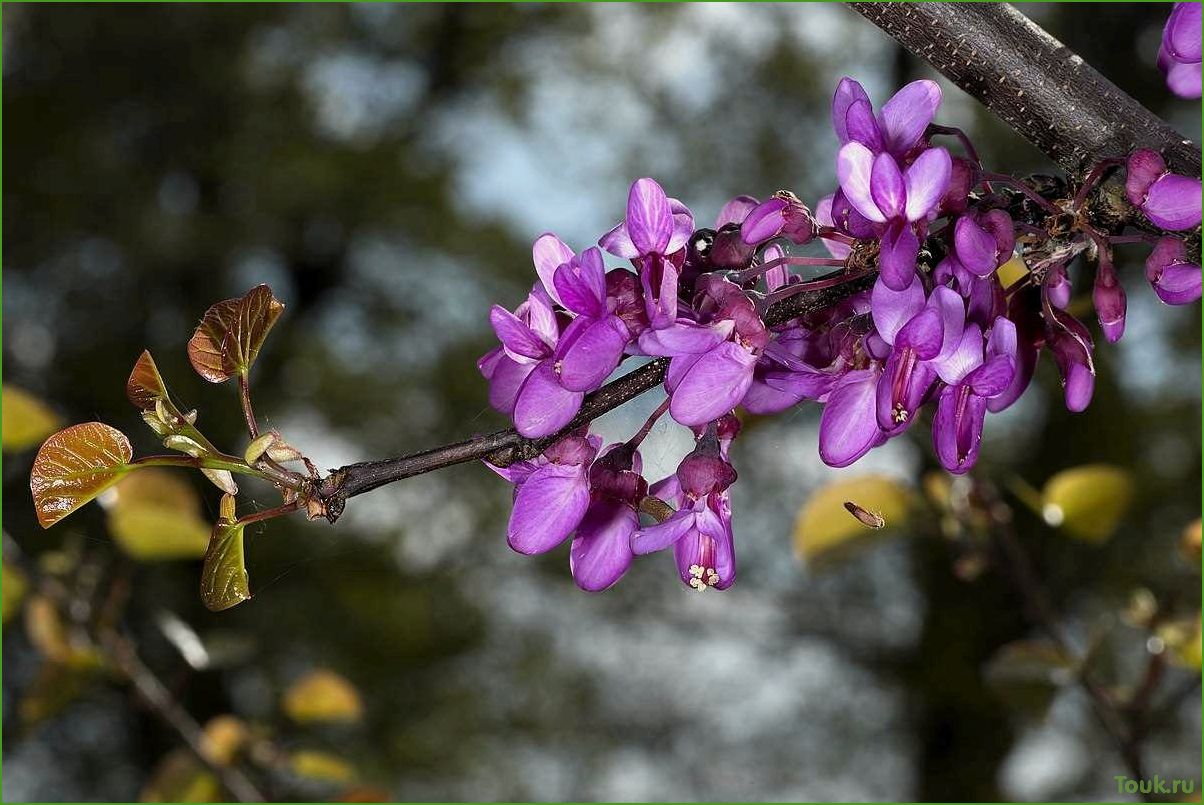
x,y
616,475
1143,169
1168,268
1110,304
1057,286
704,471
729,250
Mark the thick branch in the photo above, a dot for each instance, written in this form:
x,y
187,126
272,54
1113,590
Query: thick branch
x,y
505,447
1031,81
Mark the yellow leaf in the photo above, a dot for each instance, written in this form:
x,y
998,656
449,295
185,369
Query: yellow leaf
x,y
321,766
1182,638
26,419
1189,543
1087,502
825,526
225,736
13,585
1011,271
180,777
45,629
75,465
322,696
155,515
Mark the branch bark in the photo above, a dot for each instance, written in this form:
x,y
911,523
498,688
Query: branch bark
x,y
1032,82
504,447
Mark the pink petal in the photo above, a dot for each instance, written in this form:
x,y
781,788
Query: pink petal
x,y
975,247
926,180
649,217
892,309
548,506
714,385
601,551
854,166
1173,202
517,338
618,242
543,405
907,114
886,186
595,353
862,127
549,253
847,93
848,427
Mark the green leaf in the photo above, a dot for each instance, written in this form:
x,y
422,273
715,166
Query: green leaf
x,y
322,696
13,586
180,777
156,516
26,419
1087,502
826,527
1027,673
231,332
321,766
224,580
75,465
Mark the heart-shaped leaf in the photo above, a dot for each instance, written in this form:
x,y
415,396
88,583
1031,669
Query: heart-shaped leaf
x,y
322,696
75,465
231,332
827,527
26,419
156,516
145,385
1088,502
224,580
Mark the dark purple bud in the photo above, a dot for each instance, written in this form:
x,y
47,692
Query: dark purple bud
x,y
615,475
571,451
1174,277
1109,298
624,289
1071,346
704,471
698,248
962,180
1144,168
728,249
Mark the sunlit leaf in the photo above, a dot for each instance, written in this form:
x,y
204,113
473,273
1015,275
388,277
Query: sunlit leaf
x,y
224,580
1189,543
1027,673
1182,639
75,465
1087,502
231,332
145,384
825,527
224,738
1012,271
180,777
155,515
13,586
26,419
321,766
322,696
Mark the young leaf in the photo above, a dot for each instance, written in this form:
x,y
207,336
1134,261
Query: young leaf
x,y
231,332
1088,502
75,465
26,419
322,696
145,385
321,766
156,516
224,580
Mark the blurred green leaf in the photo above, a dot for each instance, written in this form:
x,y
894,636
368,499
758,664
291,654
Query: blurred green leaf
x,y
1182,638
224,580
54,688
75,465
322,696
321,766
1087,502
156,516
224,737
1027,673
825,528
13,586
26,419
231,332
180,777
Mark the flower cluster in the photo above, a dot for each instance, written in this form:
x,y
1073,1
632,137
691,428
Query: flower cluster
x,y
971,281
1179,52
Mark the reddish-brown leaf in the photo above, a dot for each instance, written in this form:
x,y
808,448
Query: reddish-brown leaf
x,y
231,332
145,384
75,465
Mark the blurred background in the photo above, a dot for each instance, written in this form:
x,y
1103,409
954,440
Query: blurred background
x,y
385,169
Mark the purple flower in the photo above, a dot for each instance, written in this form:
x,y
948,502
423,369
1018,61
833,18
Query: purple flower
x,y
897,129
918,346
848,426
1109,299
653,236
535,331
593,344
1072,348
601,550
895,199
1170,201
700,530
972,380
782,215
1179,53
985,244
1174,278
551,494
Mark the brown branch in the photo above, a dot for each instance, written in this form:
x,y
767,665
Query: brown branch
x,y
505,447
1032,82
